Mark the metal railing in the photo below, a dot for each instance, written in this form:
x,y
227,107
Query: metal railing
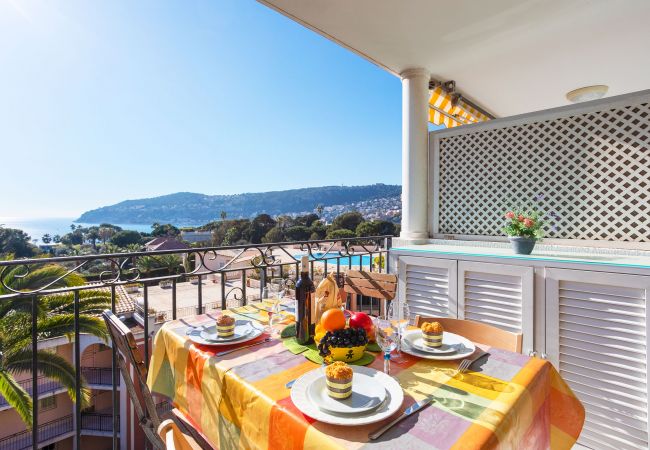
x,y
100,376
98,422
238,273
45,432
48,431
45,386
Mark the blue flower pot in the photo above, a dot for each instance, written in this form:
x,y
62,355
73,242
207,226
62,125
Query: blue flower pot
x,y
522,245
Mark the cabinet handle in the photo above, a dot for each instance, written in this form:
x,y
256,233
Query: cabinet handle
x,y
543,355
532,353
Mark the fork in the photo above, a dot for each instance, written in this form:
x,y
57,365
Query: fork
x,y
466,363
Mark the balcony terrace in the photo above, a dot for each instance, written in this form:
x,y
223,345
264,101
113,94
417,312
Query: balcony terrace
x,y
235,286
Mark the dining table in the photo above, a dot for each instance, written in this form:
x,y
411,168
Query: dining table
x,y
240,399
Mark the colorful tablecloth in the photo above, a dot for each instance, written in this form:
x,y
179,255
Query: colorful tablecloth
x,y
240,400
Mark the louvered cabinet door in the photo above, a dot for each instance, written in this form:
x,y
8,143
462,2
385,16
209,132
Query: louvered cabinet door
x,y
428,285
498,294
597,337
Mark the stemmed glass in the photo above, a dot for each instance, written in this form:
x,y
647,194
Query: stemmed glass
x,y
385,336
399,315
276,291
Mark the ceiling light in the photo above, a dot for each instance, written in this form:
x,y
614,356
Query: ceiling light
x,y
587,93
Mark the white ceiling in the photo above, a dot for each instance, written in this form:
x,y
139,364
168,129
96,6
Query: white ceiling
x,y
509,56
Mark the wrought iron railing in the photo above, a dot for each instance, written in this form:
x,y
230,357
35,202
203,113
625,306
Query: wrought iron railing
x,y
240,275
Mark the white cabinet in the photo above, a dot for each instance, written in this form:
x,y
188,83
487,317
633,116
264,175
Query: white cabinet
x,y
597,337
428,285
498,294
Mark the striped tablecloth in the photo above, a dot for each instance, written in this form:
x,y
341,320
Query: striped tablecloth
x,y
240,400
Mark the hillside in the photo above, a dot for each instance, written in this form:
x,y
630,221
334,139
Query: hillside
x,y
186,208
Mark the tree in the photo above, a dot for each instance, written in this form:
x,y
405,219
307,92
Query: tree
x,y
146,264
261,225
319,209
376,228
55,319
46,238
165,230
230,237
223,215
341,233
16,242
170,262
74,238
384,227
349,221
56,238
92,234
105,233
306,220
126,237
318,230
297,233
367,229
275,234
284,221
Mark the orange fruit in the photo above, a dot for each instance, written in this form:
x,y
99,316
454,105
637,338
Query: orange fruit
x,y
333,319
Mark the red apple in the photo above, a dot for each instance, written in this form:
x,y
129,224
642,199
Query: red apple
x,y
362,320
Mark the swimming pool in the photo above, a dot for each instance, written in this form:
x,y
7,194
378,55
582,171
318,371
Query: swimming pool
x,y
332,257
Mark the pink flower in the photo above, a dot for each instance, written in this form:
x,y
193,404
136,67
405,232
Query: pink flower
x,y
521,218
510,215
529,223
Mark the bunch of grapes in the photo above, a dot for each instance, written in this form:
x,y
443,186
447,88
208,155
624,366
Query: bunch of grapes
x,y
346,337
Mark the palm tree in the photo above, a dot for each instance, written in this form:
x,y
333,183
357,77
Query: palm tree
x,y
105,233
92,235
171,262
55,319
223,215
146,264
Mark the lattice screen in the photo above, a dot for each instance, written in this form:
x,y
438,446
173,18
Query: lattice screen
x,y
592,168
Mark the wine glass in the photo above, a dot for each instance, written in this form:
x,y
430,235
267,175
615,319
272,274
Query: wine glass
x,y
277,291
399,315
385,337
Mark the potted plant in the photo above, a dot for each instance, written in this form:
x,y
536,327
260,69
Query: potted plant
x,y
523,228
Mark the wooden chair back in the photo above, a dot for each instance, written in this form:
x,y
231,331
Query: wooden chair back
x,y
382,286
127,350
478,332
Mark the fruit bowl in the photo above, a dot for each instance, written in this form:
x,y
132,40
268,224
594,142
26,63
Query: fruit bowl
x,y
346,354
345,344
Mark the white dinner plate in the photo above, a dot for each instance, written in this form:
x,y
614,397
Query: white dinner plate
x,y
391,404
241,330
367,394
445,348
462,347
196,335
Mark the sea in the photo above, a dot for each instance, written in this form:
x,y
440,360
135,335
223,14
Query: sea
x,y
36,228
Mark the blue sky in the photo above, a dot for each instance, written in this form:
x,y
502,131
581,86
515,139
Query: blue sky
x,y
106,101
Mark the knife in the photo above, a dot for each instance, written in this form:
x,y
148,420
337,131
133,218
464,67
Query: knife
x,y
407,412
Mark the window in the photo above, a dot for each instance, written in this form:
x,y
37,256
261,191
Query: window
x,y
47,403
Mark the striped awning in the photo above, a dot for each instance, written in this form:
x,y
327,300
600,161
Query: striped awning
x,y
450,111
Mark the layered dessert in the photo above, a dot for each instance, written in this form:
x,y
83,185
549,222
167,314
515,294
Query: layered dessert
x,y
225,326
339,380
432,334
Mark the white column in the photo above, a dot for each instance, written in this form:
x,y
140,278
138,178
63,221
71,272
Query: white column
x,y
415,160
